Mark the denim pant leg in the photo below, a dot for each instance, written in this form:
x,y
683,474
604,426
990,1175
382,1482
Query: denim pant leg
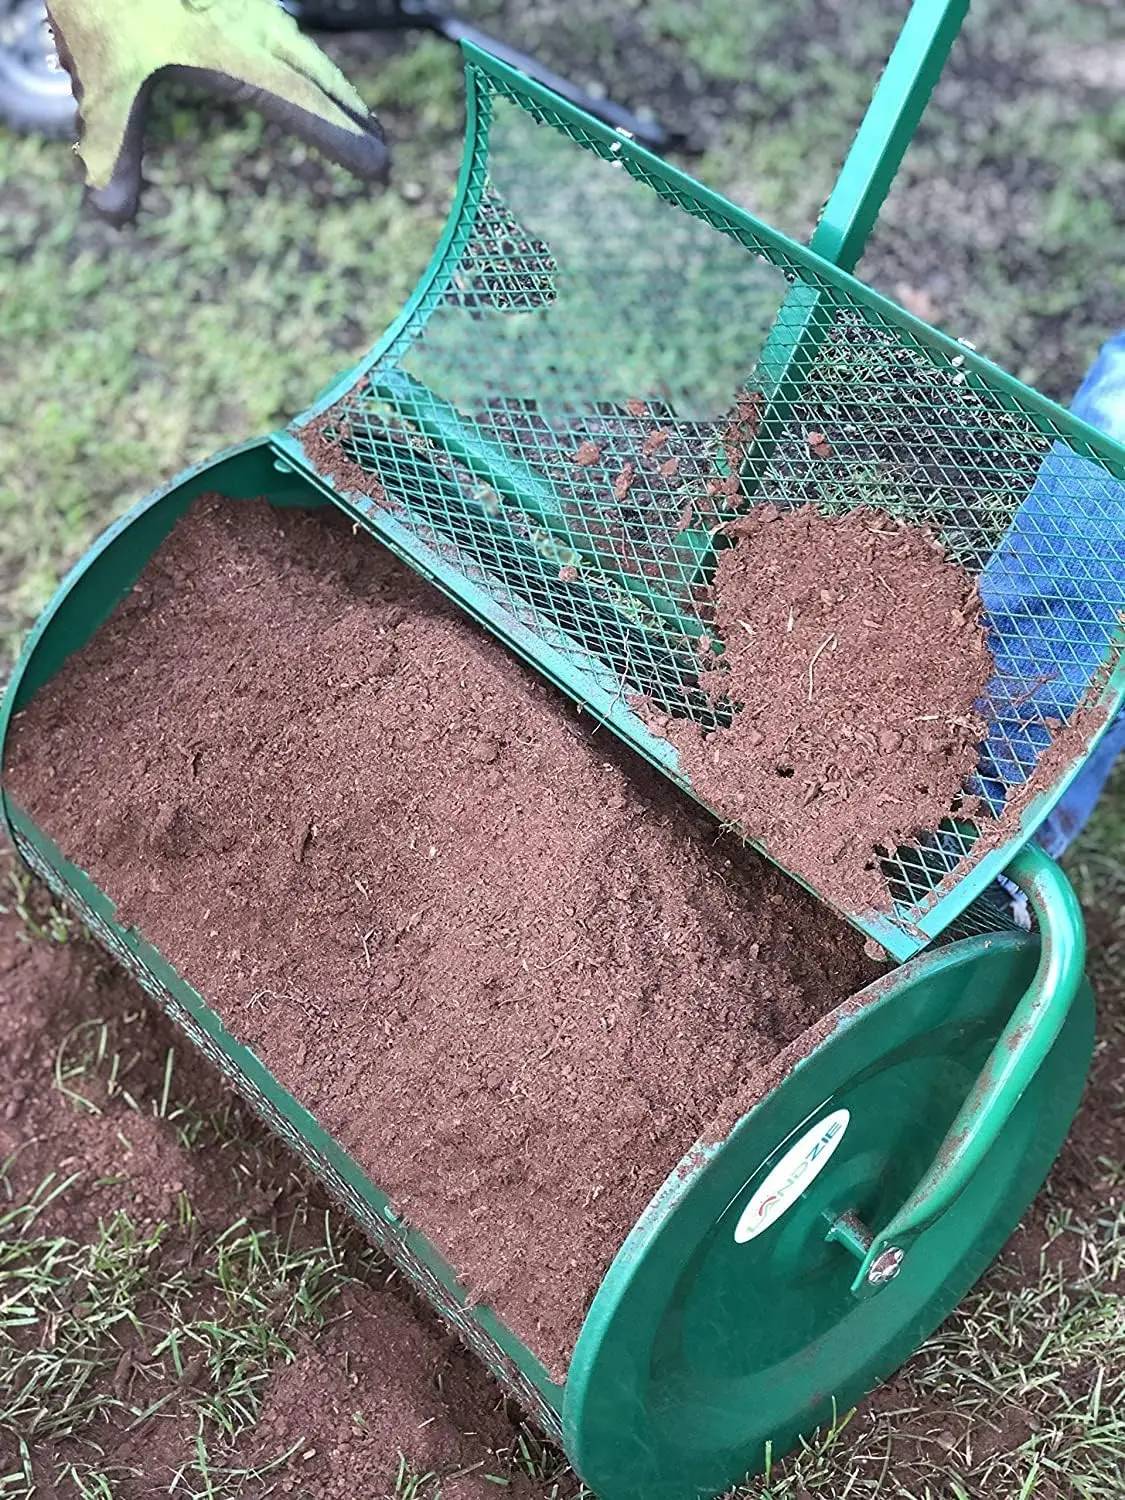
x,y
1101,402
1052,591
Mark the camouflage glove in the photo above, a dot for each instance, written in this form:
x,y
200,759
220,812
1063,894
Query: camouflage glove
x,y
250,50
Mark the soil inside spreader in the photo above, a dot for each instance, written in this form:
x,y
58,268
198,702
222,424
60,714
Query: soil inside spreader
x,y
511,970
854,660
112,1132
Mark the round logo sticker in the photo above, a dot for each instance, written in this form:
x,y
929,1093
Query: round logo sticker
x,y
800,1166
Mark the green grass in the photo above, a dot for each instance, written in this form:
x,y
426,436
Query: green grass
x,y
108,1329
254,276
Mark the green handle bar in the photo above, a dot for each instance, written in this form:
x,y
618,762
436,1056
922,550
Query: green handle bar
x,y
807,315
1022,1047
888,127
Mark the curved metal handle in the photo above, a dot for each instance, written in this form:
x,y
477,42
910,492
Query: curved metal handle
x,y
1022,1047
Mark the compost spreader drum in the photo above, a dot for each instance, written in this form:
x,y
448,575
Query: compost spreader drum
x,y
683,1192
862,603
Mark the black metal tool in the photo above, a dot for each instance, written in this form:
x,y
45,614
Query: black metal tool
x,y
391,15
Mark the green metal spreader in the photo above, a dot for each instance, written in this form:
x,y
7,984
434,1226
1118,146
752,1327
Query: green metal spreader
x,y
585,293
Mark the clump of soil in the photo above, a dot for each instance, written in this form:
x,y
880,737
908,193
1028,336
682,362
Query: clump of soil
x,y
381,1380
323,439
854,657
511,970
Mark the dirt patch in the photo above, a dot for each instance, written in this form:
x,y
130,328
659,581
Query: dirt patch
x,y
156,1177
384,1386
509,969
853,658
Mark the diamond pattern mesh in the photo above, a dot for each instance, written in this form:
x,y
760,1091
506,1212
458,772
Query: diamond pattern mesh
x,y
606,362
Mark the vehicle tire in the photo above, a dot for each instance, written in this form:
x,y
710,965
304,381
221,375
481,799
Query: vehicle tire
x,y
35,96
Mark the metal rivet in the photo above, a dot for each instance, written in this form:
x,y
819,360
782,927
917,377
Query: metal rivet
x,y
886,1267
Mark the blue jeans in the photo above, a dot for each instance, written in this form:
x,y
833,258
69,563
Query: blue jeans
x,y
1052,591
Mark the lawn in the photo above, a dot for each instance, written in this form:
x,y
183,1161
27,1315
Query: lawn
x,y
255,274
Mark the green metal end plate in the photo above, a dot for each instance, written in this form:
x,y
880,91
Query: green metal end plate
x,y
727,1322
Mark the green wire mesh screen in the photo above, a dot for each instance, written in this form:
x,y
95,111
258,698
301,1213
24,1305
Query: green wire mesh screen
x,y
605,363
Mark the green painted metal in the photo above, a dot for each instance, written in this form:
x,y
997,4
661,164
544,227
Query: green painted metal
x,y
505,478
1020,1051
519,333
914,67
702,1355
437,275
959,1073
487,78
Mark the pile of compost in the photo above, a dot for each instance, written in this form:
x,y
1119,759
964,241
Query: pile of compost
x,y
510,969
